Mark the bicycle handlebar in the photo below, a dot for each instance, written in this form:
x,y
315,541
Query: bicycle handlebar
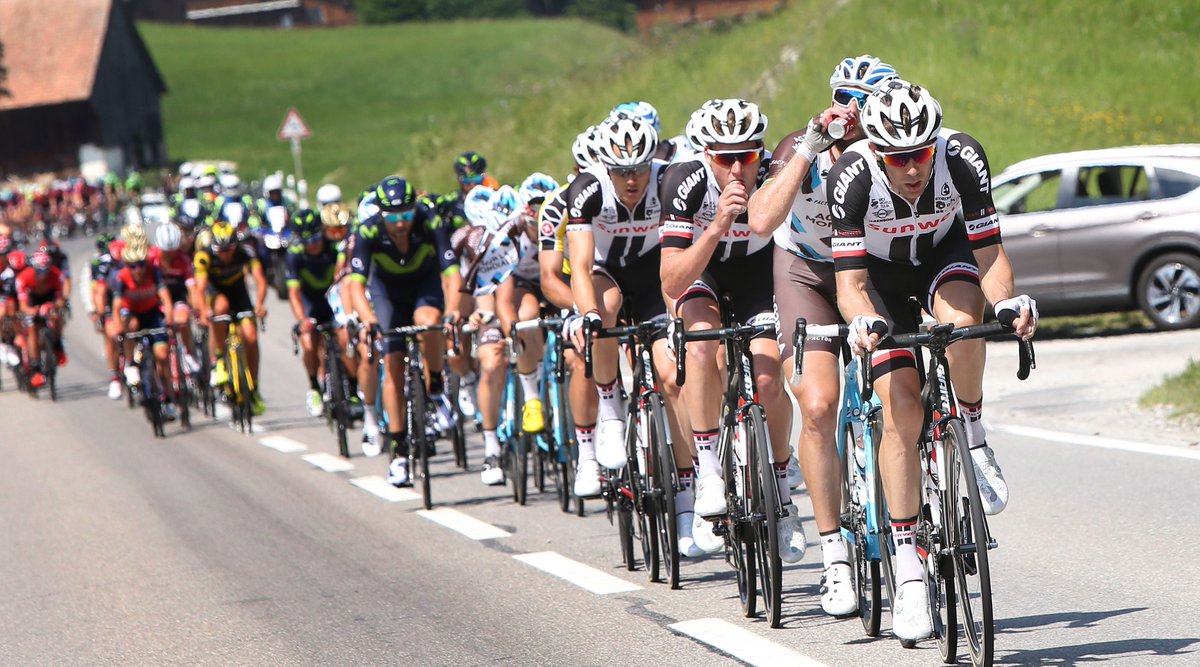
x,y
681,338
643,330
801,334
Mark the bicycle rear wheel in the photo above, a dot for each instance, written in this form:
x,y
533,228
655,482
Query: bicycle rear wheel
x,y
642,501
152,395
458,436
765,501
969,538
624,509
740,549
49,363
245,396
418,439
338,403
183,397
518,462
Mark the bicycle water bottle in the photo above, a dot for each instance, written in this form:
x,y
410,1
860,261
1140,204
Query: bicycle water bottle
x,y
836,129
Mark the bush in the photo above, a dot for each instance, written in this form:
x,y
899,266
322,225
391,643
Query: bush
x,y
617,14
391,11
475,9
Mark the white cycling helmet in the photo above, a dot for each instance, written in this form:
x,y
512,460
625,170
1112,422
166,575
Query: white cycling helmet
x,y
329,194
505,201
187,183
536,187
730,121
691,133
206,182
272,182
168,237
230,184
626,141
186,169
866,73
584,148
477,205
901,116
643,110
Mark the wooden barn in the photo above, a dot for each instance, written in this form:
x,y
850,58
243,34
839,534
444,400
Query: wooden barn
x,y
83,91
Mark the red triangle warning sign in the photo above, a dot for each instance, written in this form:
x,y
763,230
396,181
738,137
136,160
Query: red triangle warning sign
x,y
293,126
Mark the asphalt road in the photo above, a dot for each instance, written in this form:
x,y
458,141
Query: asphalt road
x,y
211,548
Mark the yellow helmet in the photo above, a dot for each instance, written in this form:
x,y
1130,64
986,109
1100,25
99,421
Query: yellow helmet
x,y
136,250
133,230
204,240
223,234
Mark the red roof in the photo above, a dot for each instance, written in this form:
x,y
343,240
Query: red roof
x,y
51,49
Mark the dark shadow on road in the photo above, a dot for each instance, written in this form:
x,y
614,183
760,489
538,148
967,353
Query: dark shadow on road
x,y
1098,652
1079,619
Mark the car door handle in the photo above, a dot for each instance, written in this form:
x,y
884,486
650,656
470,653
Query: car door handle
x,y
1148,215
1041,230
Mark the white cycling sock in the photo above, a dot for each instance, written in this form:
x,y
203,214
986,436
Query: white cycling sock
x,y
706,452
610,403
685,497
908,563
585,437
785,491
529,385
491,444
833,548
972,414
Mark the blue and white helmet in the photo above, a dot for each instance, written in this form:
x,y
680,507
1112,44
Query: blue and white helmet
x,y
643,110
505,201
536,187
477,205
865,73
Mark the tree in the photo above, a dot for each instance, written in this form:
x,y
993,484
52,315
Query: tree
x,y
391,11
618,14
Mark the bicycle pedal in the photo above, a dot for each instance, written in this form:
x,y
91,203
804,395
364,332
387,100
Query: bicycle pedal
x,y
993,544
720,528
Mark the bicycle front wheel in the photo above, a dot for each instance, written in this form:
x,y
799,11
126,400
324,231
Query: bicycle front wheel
x,y
418,439
854,526
663,481
765,501
969,539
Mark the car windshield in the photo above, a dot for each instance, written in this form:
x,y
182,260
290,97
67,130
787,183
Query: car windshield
x,y
1027,194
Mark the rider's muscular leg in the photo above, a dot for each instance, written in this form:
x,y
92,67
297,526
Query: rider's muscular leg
x,y
961,303
581,392
703,388
181,316
393,392
308,344
676,407
249,331
491,382
604,350
220,306
899,391
433,344
767,368
818,397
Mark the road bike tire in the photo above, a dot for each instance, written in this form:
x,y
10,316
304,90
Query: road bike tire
x,y
770,565
183,397
49,363
152,395
418,439
625,531
972,572
338,404
539,465
642,500
866,571
739,538
664,480
247,392
458,434
520,461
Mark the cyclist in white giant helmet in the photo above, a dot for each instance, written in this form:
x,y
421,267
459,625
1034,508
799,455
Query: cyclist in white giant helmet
x,y
175,263
709,251
912,179
614,213
556,286
646,111
791,205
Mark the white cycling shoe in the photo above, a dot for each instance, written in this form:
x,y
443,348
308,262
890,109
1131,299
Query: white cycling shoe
x,y
837,591
587,479
114,390
683,528
710,495
706,540
133,376
492,474
993,490
610,444
792,544
398,472
371,445
910,615
794,477
312,400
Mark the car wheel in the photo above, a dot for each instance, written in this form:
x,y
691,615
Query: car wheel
x,y
1168,291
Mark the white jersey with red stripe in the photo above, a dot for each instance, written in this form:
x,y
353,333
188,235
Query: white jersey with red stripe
x,y
869,218
690,195
622,235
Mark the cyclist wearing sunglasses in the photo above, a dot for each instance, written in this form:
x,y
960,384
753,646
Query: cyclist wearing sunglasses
x,y
41,294
402,255
912,179
141,298
614,213
791,205
709,251
556,285
220,270
175,263
312,265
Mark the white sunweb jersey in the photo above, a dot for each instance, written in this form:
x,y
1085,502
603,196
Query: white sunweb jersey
x,y
622,235
869,218
690,194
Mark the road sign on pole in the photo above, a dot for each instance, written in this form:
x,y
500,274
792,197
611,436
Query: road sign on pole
x,y
294,129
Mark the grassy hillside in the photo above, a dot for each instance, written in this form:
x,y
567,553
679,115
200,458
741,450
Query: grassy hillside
x,y
1024,77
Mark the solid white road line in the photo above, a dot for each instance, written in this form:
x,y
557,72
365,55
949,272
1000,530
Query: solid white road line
x,y
577,573
742,644
379,486
1099,442
467,525
282,444
329,462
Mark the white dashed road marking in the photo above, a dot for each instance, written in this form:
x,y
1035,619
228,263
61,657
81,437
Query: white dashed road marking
x,y
584,576
462,523
742,644
380,487
329,462
282,444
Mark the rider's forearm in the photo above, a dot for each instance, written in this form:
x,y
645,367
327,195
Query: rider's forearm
x,y
556,290
852,298
995,273
682,266
260,286
770,205
582,288
296,303
358,298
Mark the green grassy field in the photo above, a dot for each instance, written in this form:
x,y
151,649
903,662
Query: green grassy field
x,y
1024,77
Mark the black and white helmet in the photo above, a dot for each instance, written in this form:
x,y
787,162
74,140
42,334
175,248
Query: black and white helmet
x,y
730,121
584,148
625,141
900,116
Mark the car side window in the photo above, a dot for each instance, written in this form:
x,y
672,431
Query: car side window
x,y
1175,183
1110,184
1028,194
